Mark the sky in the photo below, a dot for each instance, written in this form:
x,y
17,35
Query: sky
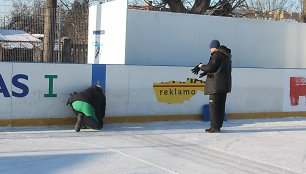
x,y
5,7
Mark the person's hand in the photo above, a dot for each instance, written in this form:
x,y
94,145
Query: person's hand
x,y
203,74
196,69
69,100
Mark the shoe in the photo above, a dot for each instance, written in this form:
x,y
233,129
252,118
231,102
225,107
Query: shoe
x,y
101,126
84,127
79,123
211,130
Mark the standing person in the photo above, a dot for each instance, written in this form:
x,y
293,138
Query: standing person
x,y
89,108
218,82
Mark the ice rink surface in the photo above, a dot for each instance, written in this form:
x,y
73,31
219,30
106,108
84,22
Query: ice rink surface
x,y
258,146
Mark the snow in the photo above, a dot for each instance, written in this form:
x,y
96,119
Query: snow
x,y
244,146
10,39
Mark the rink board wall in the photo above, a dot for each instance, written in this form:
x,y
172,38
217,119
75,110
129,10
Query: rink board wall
x,y
144,37
34,90
40,92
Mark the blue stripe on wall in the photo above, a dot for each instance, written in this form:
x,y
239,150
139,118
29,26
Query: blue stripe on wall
x,y
98,75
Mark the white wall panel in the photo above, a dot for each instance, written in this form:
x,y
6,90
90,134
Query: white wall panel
x,y
142,98
142,37
162,38
93,40
5,102
70,78
255,90
117,90
130,91
109,45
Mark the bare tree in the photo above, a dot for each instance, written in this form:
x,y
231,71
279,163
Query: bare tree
x,y
26,17
269,9
74,15
211,7
75,21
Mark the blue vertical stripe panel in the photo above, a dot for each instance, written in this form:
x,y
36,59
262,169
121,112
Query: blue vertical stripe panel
x,y
206,115
98,75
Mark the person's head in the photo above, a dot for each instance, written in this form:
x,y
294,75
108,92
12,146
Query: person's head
x,y
98,84
214,45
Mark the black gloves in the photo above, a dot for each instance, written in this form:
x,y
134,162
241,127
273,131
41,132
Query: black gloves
x,y
203,74
196,69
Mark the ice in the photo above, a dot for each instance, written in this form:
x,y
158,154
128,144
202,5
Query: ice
x,y
244,146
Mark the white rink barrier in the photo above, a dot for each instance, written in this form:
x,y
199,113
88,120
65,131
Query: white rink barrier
x,y
36,94
143,37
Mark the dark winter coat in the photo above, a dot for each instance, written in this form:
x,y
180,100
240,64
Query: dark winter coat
x,y
219,70
95,97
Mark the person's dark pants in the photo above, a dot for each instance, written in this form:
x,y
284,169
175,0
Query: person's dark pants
x,y
217,109
88,121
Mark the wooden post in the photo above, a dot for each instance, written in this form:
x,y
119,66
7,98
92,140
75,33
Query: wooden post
x,y
303,15
66,50
1,53
49,30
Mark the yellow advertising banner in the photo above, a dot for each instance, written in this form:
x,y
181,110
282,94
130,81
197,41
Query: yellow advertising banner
x,y
176,92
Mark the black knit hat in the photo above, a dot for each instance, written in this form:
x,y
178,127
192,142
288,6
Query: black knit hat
x,y
214,44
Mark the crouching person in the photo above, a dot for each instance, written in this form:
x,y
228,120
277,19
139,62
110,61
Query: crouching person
x,y
89,108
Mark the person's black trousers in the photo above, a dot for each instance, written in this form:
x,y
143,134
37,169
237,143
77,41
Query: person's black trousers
x,y
217,109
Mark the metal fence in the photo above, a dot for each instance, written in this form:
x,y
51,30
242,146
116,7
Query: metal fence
x,y
24,37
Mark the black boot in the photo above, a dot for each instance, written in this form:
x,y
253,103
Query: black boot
x,y
79,123
101,125
213,130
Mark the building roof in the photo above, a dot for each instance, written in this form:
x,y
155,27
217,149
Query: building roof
x,y
10,39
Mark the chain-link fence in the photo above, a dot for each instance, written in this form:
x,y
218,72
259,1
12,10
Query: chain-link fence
x,y
25,36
